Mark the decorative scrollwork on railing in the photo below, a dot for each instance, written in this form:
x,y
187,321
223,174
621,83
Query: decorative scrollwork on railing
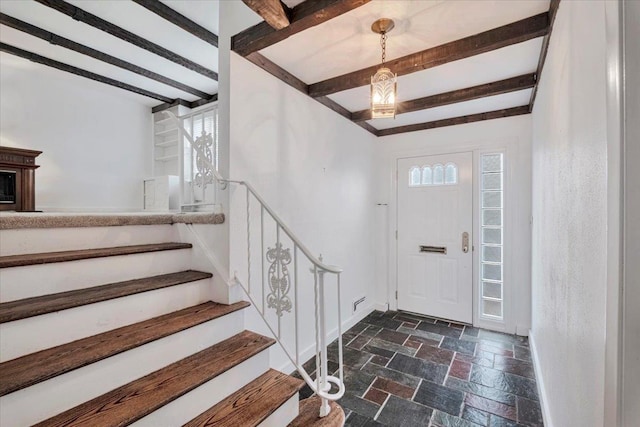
x,y
204,159
279,279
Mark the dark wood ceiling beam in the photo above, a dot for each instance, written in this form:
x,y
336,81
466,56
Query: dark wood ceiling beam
x,y
517,32
553,11
180,20
106,26
291,80
79,72
179,101
513,84
508,112
85,50
274,12
303,16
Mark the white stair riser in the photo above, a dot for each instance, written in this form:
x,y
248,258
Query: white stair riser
x,y
44,279
38,240
73,388
284,414
192,404
37,333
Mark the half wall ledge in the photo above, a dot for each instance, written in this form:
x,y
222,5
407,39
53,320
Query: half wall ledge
x,y
18,220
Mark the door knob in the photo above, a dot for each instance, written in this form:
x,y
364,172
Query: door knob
x,y
465,242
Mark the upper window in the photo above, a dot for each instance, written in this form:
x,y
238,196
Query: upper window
x,y
437,174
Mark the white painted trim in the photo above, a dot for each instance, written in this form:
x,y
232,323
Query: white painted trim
x,y
615,236
381,307
504,145
542,393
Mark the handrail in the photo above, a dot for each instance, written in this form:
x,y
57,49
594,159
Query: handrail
x,y
315,261
280,282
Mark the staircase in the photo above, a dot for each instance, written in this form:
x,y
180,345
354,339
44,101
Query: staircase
x,y
115,328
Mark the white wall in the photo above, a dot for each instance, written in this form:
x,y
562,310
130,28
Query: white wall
x,y
317,171
631,320
569,253
95,139
510,134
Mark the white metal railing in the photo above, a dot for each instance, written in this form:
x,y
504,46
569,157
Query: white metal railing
x,y
273,291
198,157
278,284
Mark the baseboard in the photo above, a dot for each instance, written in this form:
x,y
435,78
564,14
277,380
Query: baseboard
x,y
546,416
308,352
381,307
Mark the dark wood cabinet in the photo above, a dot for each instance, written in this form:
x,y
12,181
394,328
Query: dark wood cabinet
x,y
17,175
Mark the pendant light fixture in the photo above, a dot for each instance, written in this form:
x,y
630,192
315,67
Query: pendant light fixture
x,y
383,82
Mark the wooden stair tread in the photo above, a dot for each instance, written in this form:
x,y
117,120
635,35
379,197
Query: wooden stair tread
x,y
35,306
50,257
33,368
310,414
252,404
141,397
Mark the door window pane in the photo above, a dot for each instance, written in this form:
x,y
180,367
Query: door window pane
x,y
427,175
451,174
438,174
414,176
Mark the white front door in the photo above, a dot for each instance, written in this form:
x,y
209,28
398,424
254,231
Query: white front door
x,y
435,196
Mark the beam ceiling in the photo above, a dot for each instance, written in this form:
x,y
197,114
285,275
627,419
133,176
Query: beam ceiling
x,y
93,53
79,72
274,12
106,26
305,15
180,20
517,32
310,13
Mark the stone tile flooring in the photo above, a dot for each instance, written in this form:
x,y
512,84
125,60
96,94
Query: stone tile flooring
x,y
401,369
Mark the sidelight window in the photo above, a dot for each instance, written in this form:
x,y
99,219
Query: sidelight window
x,y
492,223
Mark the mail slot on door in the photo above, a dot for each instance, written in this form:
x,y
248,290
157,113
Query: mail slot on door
x,y
434,249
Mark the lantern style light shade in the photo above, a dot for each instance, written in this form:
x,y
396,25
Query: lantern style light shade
x,y
383,94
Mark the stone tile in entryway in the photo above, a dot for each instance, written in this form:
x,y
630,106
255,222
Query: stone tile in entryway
x,y
513,366
475,416
460,346
393,375
442,419
529,412
439,329
491,406
404,413
480,390
419,368
359,405
356,420
440,397
504,381
387,373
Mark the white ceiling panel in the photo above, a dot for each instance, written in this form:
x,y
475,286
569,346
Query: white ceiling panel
x,y
203,13
492,103
14,64
346,43
64,26
38,46
488,67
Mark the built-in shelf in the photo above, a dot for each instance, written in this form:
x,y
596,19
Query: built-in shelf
x,y
167,143
166,158
163,121
166,131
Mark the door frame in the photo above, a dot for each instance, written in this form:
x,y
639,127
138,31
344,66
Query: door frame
x,y
510,295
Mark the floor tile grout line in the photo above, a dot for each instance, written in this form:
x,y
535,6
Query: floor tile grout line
x,y
382,407
416,390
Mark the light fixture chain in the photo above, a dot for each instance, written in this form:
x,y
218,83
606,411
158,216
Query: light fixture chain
x,y
383,42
